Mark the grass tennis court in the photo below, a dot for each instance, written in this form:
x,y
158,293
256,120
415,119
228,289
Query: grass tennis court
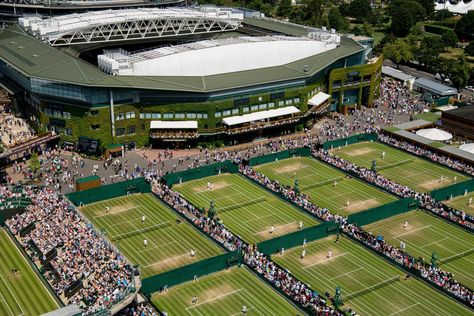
x,y
169,242
402,167
246,209
462,203
21,293
224,294
370,285
316,179
425,234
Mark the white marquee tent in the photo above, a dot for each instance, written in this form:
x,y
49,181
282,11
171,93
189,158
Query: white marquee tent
x,y
434,134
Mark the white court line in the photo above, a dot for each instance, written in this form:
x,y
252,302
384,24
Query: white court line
x,y
169,259
14,297
240,313
213,299
360,268
276,228
3,299
412,231
258,218
434,242
158,246
250,303
120,211
327,259
404,309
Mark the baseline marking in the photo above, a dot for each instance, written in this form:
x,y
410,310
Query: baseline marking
x,y
412,231
327,259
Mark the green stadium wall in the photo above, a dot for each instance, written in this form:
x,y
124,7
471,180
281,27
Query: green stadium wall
x,y
350,140
109,191
456,189
303,151
200,172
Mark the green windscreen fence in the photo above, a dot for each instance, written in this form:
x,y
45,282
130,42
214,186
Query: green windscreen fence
x,y
187,273
350,140
454,190
303,151
2,219
296,239
382,212
110,191
201,172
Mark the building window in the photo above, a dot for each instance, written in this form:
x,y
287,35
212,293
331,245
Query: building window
x,y
119,117
271,105
262,106
245,109
148,115
120,131
67,115
226,113
296,100
142,115
204,115
57,113
130,115
131,130
179,115
281,103
168,115
254,108
235,111
95,127
68,131
191,115
289,102
48,112
156,115
218,114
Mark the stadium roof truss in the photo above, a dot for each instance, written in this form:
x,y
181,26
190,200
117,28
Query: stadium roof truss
x,y
118,27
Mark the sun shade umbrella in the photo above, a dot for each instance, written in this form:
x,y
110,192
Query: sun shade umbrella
x,y
434,134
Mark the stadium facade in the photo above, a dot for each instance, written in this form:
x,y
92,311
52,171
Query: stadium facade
x,y
244,77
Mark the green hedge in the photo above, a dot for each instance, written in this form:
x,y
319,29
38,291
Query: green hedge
x,y
436,29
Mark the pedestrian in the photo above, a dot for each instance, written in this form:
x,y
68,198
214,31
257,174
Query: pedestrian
x,y
145,243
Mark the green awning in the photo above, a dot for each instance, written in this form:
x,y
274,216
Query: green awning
x,y
112,146
87,179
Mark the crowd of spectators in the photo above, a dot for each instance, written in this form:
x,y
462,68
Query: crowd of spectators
x,y
81,252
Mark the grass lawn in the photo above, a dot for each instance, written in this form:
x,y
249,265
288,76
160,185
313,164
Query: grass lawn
x,y
402,167
426,234
224,294
169,242
21,293
316,179
370,285
462,203
245,208
429,116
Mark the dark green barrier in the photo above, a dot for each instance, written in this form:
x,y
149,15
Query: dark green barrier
x,y
381,212
302,151
201,172
454,190
2,219
295,239
349,140
110,191
174,277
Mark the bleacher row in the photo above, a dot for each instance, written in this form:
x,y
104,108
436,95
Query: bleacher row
x,y
81,266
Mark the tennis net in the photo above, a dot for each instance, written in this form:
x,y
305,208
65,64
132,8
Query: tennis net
x,y
395,164
373,287
457,256
140,231
320,184
243,204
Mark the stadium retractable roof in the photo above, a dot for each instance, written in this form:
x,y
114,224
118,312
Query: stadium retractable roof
x,y
129,24
258,116
173,125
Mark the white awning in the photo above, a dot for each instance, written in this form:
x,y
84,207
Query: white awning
x,y
257,116
318,99
434,134
468,147
173,125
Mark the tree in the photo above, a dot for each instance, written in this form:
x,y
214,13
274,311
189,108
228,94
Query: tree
x,y
398,52
284,8
469,50
336,20
465,26
428,6
313,12
460,73
34,164
442,15
402,20
444,67
449,38
429,50
376,17
360,9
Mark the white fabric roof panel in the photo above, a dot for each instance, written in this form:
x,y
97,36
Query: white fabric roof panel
x,y
434,134
460,7
229,58
318,99
173,125
468,147
257,116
